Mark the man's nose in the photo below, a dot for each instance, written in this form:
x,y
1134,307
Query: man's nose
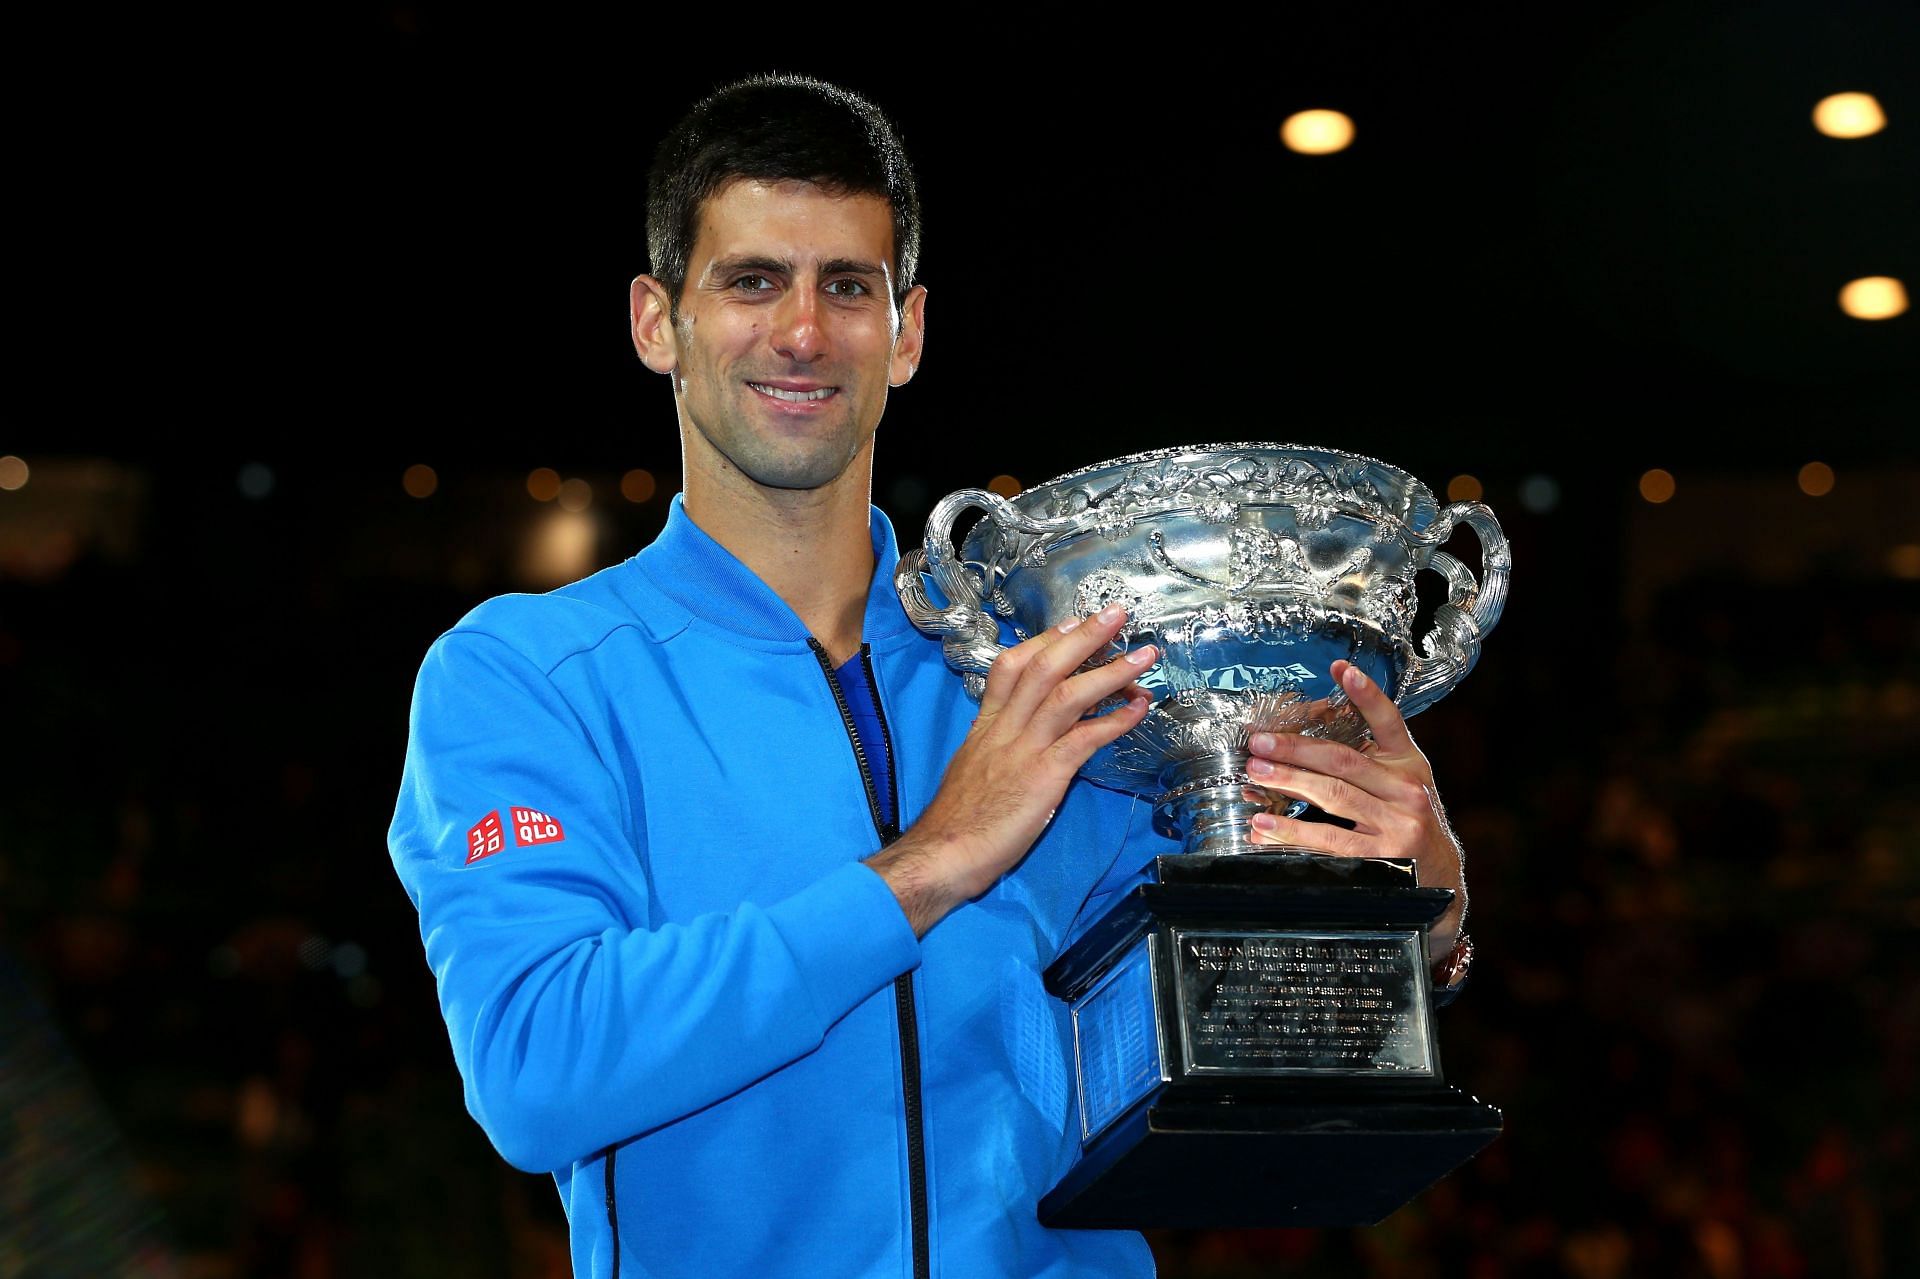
x,y
797,333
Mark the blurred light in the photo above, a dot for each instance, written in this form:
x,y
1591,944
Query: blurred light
x,y
420,480
1657,486
1317,132
314,951
1904,561
908,493
1539,493
576,495
1816,479
1005,486
13,473
257,1117
1464,488
349,959
543,484
560,548
1849,115
638,486
1874,297
255,480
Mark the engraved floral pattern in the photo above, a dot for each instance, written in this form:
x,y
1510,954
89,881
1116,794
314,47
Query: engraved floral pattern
x,y
1214,508
1113,523
1101,588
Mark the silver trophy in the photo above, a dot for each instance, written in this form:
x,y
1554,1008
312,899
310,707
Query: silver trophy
x,y
1250,1004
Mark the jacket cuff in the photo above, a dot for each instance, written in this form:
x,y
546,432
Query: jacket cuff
x,y
848,938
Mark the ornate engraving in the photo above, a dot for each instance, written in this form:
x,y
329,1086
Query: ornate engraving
x,y
1101,588
1252,567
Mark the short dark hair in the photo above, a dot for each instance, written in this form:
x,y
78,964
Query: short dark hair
x,y
777,128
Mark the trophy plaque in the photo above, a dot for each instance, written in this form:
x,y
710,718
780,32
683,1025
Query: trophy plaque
x,y
1253,1031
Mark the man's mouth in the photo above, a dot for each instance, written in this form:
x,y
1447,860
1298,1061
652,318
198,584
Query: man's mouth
x,y
794,396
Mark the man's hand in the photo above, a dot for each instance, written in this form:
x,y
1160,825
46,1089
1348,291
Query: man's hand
x,y
1386,790
1005,781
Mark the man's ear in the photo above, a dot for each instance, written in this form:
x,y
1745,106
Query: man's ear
x,y
650,311
908,347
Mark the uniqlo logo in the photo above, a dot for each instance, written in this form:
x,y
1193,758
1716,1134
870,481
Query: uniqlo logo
x,y
485,839
531,826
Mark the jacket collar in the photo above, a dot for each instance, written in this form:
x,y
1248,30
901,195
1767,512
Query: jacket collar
x,y
705,579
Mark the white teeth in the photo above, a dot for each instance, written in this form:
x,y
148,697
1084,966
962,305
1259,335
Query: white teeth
x,y
794,397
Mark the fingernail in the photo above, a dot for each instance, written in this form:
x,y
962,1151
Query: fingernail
x,y
1262,742
1265,821
1143,655
1112,613
1260,767
1139,701
1069,624
1356,677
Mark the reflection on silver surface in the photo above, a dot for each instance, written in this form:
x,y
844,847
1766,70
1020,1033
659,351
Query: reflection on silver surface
x,y
1253,567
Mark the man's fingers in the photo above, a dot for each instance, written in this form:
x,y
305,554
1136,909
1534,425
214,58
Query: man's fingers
x,y
1079,743
1328,794
1071,699
1054,663
1319,837
1382,716
1011,664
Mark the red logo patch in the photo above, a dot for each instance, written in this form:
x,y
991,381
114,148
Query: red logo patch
x,y
531,826
485,839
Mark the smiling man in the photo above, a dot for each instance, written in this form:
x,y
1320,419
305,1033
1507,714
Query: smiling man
x,y
752,963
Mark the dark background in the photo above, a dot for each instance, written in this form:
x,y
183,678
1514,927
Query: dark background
x,y
1568,246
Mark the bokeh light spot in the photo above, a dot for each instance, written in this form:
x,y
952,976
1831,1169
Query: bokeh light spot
x,y
1539,493
1464,488
420,480
1874,297
543,484
638,486
1657,486
576,495
1849,115
255,480
1903,561
13,473
1005,486
1816,479
1317,132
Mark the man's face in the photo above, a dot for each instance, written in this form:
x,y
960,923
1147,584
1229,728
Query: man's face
x,y
787,336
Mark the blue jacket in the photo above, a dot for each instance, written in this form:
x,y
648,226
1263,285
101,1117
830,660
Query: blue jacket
x,y
632,821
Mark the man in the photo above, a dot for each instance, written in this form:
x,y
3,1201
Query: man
x,y
737,906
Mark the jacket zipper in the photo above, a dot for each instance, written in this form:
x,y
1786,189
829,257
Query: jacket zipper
x,y
903,1001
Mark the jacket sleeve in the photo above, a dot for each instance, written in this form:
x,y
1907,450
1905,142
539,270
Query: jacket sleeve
x,y
578,1019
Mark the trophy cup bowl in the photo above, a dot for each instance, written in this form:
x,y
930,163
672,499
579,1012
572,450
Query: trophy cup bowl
x,y
1253,1031
1252,567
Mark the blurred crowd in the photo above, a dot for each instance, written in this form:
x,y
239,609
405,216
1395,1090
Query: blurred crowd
x,y
1693,840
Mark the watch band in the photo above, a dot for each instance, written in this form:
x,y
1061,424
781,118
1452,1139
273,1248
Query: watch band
x,y
1450,974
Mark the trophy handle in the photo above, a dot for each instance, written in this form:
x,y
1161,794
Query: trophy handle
x,y
1471,609
970,638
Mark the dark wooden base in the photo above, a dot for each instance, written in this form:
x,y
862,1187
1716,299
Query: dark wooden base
x,y
1213,1164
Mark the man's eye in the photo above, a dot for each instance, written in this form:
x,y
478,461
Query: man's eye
x,y
847,288
753,283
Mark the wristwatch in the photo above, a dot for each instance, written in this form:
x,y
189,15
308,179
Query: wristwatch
x,y
1450,974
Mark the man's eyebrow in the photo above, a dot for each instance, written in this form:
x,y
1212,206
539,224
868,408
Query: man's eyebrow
x,y
850,266
737,265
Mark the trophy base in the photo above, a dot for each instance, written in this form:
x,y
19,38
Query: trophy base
x,y
1254,1046
1226,1166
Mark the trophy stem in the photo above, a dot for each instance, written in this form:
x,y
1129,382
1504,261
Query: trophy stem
x,y
1207,808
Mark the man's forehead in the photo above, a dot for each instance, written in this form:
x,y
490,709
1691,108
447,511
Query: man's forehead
x,y
793,221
